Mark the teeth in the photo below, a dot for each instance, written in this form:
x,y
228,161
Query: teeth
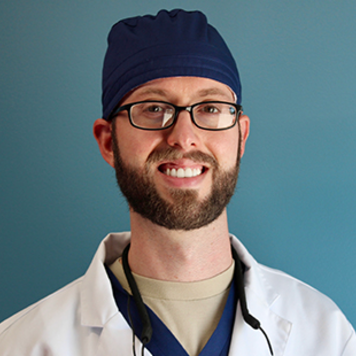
x,y
183,173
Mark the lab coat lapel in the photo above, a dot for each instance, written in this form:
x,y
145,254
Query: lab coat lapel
x,y
116,339
260,297
96,297
251,342
98,307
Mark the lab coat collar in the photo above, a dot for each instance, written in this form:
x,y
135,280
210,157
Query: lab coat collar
x,y
100,310
255,280
97,302
261,298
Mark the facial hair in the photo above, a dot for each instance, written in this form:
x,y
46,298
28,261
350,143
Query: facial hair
x,y
186,212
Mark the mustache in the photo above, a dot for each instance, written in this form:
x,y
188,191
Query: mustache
x,y
172,154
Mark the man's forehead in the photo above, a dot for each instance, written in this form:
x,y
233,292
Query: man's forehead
x,y
196,86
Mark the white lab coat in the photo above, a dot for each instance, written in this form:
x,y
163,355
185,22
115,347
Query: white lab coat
x,y
82,318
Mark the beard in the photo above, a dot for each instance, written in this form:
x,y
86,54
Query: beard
x,y
186,212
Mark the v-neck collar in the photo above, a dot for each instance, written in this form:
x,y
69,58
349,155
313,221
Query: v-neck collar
x,y
163,342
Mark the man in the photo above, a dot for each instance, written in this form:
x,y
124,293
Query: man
x,y
174,131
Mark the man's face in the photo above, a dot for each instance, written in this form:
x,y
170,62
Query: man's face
x,y
207,161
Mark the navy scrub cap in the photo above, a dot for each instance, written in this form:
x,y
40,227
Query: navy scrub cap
x,y
171,44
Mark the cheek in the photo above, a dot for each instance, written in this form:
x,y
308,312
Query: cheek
x,y
135,145
224,146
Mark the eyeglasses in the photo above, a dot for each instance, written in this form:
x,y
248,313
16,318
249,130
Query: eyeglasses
x,y
160,115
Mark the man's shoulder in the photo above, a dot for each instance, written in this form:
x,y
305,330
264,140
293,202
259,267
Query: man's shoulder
x,y
298,304
288,288
309,311
276,287
45,311
62,320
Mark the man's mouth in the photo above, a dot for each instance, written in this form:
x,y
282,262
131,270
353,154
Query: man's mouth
x,y
183,172
177,170
174,164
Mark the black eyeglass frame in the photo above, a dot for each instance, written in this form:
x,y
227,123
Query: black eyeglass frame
x,y
177,109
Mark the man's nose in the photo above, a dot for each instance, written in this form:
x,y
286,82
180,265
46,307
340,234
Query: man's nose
x,y
183,134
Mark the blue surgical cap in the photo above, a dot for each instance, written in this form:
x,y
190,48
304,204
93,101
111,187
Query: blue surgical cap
x,y
171,44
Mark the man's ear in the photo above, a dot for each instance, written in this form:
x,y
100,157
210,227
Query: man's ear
x,y
245,130
102,133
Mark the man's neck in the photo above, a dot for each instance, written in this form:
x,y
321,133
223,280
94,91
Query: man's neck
x,y
172,255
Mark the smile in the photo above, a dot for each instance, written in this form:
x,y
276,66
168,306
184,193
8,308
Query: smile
x,y
183,172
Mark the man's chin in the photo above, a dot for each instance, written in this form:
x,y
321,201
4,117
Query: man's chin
x,y
178,195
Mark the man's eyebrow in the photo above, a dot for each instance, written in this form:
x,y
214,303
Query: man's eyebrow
x,y
212,91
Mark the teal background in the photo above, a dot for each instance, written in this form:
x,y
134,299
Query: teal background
x,y
295,204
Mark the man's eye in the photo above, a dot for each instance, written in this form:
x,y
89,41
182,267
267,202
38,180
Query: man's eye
x,y
232,110
210,109
154,108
